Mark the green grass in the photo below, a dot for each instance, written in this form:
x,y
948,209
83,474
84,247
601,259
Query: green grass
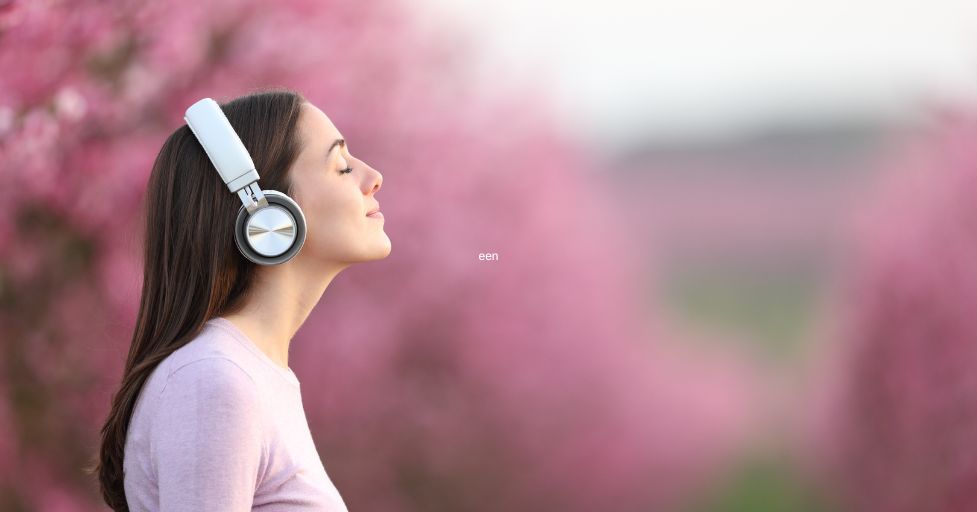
x,y
769,305
765,482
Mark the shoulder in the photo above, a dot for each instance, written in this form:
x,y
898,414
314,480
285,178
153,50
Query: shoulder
x,y
209,391
210,376
209,398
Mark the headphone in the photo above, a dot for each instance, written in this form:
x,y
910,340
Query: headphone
x,y
270,226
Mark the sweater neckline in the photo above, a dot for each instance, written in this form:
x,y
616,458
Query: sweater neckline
x,y
284,371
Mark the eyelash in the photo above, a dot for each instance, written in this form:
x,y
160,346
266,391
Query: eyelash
x,y
346,170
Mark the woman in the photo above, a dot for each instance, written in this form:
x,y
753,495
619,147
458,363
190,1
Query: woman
x,y
209,415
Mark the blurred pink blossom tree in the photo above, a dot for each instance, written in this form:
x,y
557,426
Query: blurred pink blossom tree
x,y
895,409
432,381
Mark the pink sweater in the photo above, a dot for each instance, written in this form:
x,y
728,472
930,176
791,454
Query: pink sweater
x,y
219,426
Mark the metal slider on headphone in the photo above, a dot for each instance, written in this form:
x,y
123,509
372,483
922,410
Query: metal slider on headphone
x,y
252,197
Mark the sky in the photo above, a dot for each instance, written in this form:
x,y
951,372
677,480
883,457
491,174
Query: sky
x,y
701,68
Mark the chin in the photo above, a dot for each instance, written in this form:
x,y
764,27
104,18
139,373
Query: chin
x,y
384,250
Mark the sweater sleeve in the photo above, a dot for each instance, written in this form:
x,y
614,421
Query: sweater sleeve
x,y
207,438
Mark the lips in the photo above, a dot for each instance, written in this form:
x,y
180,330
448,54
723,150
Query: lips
x,y
375,210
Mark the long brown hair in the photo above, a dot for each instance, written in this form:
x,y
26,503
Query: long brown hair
x,y
193,270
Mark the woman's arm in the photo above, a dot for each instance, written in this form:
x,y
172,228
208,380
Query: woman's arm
x,y
207,438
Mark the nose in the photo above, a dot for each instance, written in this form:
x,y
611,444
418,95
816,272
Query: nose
x,y
377,181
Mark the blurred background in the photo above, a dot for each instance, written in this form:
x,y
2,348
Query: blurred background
x,y
735,240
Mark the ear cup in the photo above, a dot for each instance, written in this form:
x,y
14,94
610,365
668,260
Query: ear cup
x,y
272,234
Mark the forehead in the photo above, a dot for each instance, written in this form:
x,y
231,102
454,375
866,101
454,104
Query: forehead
x,y
316,128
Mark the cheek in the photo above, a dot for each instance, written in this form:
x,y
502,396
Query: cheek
x,y
318,211
334,215
314,197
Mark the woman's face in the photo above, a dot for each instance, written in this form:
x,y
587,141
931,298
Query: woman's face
x,y
335,202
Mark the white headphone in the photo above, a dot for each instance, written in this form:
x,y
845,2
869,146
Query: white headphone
x,y
270,226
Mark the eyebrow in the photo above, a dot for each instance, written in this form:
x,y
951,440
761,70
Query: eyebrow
x,y
337,142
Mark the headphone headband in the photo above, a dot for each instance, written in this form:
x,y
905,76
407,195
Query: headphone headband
x,y
226,151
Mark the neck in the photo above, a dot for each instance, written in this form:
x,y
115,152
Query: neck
x,y
282,299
